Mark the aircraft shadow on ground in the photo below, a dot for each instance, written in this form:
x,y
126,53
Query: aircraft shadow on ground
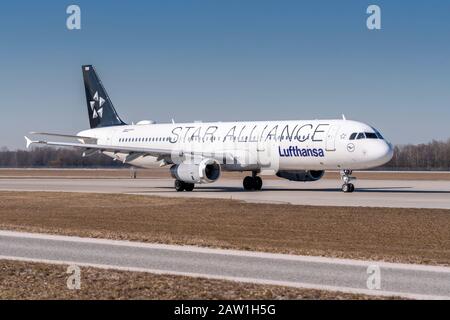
x,y
402,190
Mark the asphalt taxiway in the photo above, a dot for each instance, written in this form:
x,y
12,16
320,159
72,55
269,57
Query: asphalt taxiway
x,y
354,276
326,192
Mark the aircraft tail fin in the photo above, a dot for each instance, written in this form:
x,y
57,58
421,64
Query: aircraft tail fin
x,y
100,108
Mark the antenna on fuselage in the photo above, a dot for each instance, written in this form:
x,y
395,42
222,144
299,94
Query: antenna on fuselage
x,y
343,117
173,121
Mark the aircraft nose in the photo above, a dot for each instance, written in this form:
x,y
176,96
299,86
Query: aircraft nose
x,y
385,152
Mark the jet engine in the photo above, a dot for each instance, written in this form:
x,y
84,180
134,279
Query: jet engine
x,y
207,171
301,175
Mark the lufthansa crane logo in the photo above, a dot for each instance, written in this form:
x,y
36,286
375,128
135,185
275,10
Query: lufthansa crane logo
x,y
350,147
96,106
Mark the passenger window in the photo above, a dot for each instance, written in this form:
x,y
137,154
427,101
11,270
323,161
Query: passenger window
x,y
353,136
360,135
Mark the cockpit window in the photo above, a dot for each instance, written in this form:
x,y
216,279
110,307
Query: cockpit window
x,y
378,133
365,135
371,135
361,135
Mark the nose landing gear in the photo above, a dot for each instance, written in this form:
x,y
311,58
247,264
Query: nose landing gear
x,y
252,183
346,178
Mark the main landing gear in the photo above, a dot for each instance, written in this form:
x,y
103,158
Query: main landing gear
x,y
183,186
346,177
252,183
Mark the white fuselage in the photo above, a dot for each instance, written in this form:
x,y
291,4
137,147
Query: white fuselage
x,y
280,145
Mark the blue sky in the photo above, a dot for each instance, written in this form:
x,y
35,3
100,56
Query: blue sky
x,y
228,60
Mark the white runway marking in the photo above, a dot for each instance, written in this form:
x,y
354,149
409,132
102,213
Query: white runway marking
x,y
410,281
257,254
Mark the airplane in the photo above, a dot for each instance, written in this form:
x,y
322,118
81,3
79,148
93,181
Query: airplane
x,y
297,150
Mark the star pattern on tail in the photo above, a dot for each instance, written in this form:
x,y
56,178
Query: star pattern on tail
x,y
97,105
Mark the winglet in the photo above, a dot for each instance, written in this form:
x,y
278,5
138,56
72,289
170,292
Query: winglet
x,y
29,141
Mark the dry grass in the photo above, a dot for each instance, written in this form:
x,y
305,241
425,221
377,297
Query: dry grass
x,y
162,173
391,234
24,280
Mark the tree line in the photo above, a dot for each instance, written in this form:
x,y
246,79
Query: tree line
x,y
434,155
43,157
429,156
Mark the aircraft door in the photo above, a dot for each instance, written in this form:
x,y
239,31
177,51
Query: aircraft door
x,y
268,159
331,138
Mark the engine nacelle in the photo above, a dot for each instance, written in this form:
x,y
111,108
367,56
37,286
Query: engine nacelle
x,y
207,171
301,175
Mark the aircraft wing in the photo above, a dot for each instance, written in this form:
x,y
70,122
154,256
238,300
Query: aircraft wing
x,y
85,139
133,152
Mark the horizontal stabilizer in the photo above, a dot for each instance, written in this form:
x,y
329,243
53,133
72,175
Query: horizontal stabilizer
x,y
29,141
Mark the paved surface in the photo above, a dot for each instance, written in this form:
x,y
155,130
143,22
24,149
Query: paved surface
x,y
369,193
413,281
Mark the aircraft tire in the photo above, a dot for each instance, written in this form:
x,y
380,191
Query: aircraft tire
x,y
189,186
352,187
248,183
179,185
348,187
258,183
